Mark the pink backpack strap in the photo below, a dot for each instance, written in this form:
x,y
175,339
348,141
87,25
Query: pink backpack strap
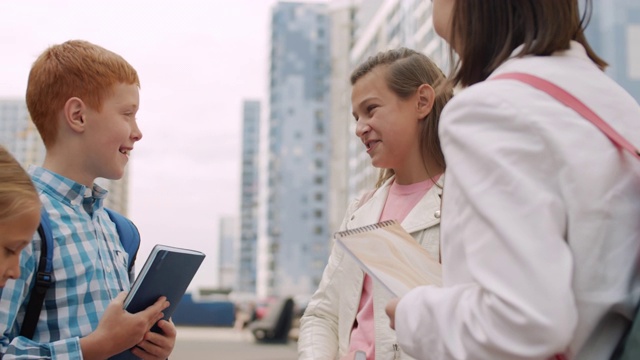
x,y
571,101
578,106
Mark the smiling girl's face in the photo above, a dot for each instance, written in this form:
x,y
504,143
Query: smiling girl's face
x,y
387,125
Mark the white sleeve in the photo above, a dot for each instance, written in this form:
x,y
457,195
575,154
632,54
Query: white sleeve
x,y
507,268
318,338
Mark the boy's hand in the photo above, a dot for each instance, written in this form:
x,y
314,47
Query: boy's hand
x,y
157,346
119,330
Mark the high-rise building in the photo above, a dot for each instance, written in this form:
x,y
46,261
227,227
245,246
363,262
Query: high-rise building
x,y
614,34
342,13
293,249
227,241
247,249
20,136
383,25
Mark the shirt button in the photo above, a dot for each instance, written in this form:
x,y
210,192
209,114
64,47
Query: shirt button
x,y
437,214
353,217
108,268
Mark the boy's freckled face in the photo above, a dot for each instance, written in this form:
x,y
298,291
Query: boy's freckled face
x,y
112,133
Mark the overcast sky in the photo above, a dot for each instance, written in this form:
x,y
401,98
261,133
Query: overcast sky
x,y
197,61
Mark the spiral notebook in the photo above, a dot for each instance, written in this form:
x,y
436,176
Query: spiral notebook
x,y
391,256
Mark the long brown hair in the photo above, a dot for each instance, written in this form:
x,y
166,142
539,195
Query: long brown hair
x,y
407,71
488,31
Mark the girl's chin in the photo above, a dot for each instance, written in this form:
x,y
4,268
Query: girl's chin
x,y
378,165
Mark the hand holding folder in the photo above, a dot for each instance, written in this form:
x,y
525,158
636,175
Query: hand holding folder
x,y
167,272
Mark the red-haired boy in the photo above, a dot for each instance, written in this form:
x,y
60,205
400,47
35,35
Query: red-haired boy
x,y
83,100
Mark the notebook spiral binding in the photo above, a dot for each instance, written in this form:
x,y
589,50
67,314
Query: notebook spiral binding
x,y
366,228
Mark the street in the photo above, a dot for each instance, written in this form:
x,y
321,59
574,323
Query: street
x,y
200,343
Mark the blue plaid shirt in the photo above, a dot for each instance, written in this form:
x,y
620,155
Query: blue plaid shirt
x,y
89,267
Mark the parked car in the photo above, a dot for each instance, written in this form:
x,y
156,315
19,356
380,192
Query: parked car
x,y
262,306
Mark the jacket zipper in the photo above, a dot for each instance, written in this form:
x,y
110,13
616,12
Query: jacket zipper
x,y
396,352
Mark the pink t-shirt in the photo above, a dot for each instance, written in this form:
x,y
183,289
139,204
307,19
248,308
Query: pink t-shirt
x,y
400,201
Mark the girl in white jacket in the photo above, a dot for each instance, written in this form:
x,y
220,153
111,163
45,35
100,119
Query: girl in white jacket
x,y
541,211
397,111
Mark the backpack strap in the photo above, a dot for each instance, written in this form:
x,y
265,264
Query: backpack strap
x,y
574,103
129,237
128,234
44,277
566,98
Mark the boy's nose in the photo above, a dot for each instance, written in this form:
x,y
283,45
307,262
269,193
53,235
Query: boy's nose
x,y
136,133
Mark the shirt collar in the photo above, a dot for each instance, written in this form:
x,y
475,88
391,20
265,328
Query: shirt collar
x,y
575,50
65,189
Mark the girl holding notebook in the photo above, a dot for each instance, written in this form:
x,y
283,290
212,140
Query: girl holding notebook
x,y
396,111
541,212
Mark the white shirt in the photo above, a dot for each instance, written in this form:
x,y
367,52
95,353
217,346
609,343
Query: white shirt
x,y
540,222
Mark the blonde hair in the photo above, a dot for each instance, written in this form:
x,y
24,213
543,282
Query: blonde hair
x,y
407,71
17,193
75,68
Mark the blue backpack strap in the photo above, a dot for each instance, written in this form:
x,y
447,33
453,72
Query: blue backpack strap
x,y
129,237
128,234
44,277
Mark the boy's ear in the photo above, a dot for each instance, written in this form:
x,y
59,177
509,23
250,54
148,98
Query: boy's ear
x,y
74,111
426,97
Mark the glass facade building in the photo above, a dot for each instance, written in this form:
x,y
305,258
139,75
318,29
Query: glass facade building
x,y
292,251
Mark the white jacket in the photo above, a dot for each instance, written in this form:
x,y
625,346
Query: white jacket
x,y
326,326
540,221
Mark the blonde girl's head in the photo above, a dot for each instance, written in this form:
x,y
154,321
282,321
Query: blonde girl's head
x,y
19,214
406,71
17,193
